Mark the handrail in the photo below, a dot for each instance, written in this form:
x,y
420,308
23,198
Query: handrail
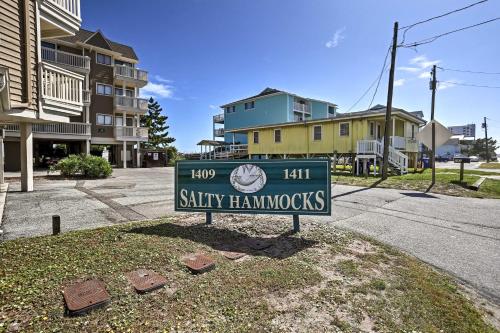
x,y
61,85
73,128
70,6
219,132
301,107
65,58
219,117
131,102
131,72
131,132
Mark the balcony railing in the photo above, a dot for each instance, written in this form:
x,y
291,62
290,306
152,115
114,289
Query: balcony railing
x,y
219,132
131,133
70,6
65,58
131,103
82,129
219,118
86,97
411,145
62,90
398,142
299,107
131,73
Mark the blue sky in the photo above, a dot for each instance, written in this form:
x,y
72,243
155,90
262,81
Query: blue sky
x,y
201,54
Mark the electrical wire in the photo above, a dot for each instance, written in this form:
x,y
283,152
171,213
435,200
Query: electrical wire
x,y
470,85
467,71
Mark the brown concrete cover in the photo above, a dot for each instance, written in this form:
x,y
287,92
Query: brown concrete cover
x,y
84,296
199,263
232,255
144,280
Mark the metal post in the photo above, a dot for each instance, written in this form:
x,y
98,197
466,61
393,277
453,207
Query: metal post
x,y
296,223
56,224
209,218
433,144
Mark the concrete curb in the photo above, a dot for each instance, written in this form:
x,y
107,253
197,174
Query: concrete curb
x,y
3,195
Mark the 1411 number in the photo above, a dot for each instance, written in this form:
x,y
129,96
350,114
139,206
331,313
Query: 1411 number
x,y
297,174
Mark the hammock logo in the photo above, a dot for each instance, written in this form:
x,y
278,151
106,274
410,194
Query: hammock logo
x,y
248,178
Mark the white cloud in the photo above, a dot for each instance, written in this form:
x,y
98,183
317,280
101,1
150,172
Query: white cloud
x,y
213,107
424,75
337,37
157,90
445,85
409,69
418,59
163,80
399,83
423,62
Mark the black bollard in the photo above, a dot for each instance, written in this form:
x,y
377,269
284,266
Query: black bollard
x,y
56,224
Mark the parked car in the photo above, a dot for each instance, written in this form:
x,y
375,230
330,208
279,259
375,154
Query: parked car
x,y
474,158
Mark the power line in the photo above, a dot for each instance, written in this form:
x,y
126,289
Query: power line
x,y
467,71
384,68
470,85
408,27
433,38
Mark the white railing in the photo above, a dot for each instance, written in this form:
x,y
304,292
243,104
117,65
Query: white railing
x,y
70,6
65,58
301,107
411,145
398,159
61,85
55,128
232,151
131,102
131,72
219,132
219,118
375,147
86,97
131,132
398,142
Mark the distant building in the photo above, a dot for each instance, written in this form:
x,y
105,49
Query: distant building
x,y
466,130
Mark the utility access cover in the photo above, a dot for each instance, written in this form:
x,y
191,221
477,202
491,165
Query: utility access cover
x,y
199,263
144,280
84,296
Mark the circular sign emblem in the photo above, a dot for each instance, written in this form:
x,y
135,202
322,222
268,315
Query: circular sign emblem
x,y
248,178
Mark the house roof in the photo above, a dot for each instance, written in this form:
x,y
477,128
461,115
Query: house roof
x,y
90,38
272,91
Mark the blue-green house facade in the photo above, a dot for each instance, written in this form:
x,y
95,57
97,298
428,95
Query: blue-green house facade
x,y
271,106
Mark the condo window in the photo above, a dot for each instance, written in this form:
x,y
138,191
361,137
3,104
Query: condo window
x,y
249,105
344,129
104,89
255,137
277,135
317,133
104,119
230,109
103,59
128,92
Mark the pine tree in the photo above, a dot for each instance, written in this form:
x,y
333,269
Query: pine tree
x,y
157,124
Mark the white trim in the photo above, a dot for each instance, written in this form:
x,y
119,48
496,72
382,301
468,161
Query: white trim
x,y
111,64
105,84
106,115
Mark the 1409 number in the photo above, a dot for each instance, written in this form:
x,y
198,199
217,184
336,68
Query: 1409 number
x,y
202,173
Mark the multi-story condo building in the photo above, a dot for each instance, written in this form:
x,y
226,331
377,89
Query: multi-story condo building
x,y
466,130
271,106
31,91
85,90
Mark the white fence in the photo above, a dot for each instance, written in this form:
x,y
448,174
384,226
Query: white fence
x,y
65,58
56,128
131,102
131,132
70,6
61,85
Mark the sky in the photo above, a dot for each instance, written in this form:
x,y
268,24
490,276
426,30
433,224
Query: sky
x,y
201,54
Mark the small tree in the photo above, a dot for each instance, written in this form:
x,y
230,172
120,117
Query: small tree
x,y
157,124
479,147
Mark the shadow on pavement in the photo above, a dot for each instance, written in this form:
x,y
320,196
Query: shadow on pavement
x,y
419,195
358,190
280,247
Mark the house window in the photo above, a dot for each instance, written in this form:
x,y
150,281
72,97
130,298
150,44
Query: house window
x,y
250,105
344,129
104,119
372,129
413,131
317,133
230,109
104,89
103,59
255,137
277,136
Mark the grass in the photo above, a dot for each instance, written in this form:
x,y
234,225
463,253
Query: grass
x,y
491,165
304,283
447,182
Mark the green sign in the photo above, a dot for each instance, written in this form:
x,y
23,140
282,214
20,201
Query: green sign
x,y
298,187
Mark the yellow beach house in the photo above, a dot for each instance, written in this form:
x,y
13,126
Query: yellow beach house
x,y
358,133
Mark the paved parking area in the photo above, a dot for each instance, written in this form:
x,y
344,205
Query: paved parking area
x,y
458,235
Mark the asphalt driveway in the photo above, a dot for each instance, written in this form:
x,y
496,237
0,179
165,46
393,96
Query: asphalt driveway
x,y
458,235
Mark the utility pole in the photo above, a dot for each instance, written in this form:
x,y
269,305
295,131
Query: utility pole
x,y
390,89
485,126
433,145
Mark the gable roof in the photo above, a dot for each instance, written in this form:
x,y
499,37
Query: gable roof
x,y
97,38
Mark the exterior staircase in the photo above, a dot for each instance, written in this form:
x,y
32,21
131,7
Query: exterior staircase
x,y
375,148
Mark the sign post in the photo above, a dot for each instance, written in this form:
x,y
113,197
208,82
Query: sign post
x,y
461,160
291,187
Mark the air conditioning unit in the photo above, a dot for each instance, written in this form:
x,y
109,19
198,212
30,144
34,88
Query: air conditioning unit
x,y
4,90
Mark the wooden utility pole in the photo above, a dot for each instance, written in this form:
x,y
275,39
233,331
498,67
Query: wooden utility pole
x,y
485,125
433,145
388,112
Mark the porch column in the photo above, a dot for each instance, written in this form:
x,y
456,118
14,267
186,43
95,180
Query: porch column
x,y
26,157
357,166
375,166
138,156
87,147
124,152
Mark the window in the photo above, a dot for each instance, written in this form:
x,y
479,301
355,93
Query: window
x,y
317,133
104,89
128,92
103,59
124,63
230,109
277,135
344,129
372,129
413,131
104,119
250,105
255,137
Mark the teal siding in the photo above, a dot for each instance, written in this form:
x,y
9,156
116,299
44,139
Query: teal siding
x,y
319,110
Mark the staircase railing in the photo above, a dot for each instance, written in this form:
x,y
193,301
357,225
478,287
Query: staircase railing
x,y
374,147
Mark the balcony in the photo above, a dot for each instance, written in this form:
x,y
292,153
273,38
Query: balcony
x,y
218,132
131,133
128,75
131,104
405,144
299,107
67,60
62,91
54,130
412,145
219,118
59,18
86,97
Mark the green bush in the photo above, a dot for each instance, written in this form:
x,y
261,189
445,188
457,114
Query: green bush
x,y
84,165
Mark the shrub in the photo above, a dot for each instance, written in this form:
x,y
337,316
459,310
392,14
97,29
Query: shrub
x,y
84,165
